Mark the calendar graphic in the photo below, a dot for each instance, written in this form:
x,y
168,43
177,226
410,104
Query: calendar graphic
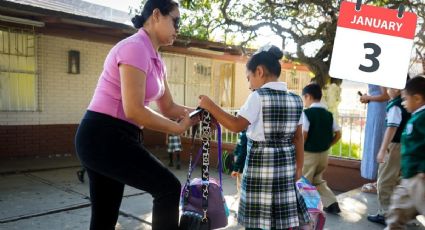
x,y
373,45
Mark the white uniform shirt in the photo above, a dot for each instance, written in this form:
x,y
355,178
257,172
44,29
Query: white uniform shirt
x,y
252,110
306,122
394,117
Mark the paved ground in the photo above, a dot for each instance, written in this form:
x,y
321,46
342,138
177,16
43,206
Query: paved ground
x,y
44,193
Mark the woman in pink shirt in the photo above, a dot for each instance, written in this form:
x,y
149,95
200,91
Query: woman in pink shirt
x,y
108,138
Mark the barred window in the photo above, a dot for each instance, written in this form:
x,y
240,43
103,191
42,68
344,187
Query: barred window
x,y
18,70
188,77
295,80
198,79
176,77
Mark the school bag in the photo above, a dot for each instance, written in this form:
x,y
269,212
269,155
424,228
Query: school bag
x,y
202,200
314,204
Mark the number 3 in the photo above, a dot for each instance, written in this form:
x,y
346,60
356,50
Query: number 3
x,y
373,57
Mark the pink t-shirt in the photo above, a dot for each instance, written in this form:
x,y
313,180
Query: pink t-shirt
x,y
137,51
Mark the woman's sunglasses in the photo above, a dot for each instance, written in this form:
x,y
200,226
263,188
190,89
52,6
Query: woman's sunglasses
x,y
176,22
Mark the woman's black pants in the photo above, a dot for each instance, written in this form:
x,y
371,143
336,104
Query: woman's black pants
x,y
111,151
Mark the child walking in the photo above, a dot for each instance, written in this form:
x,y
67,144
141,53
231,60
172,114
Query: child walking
x,y
271,115
320,132
174,148
389,154
408,199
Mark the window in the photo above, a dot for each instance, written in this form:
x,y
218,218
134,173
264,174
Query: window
x,y
176,69
18,72
295,80
198,79
188,77
224,81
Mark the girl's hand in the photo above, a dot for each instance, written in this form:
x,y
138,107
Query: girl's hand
x,y
298,174
234,174
205,102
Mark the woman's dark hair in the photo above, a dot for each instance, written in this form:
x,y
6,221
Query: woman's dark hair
x,y
267,56
314,90
416,85
164,6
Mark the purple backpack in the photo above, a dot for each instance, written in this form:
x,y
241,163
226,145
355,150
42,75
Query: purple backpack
x,y
217,211
202,200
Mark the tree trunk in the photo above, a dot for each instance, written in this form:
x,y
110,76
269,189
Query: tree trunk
x,y
332,98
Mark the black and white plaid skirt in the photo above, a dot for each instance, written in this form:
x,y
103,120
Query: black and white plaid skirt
x,y
174,144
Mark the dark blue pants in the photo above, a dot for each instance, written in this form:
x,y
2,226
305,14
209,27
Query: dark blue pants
x,y
111,151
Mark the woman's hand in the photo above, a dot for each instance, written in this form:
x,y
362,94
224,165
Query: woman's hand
x,y
195,119
234,174
185,122
364,99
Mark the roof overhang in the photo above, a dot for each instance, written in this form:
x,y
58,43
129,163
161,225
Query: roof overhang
x,y
57,20
60,23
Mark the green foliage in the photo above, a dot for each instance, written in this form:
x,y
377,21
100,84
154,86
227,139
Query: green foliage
x,y
299,22
193,28
342,149
227,162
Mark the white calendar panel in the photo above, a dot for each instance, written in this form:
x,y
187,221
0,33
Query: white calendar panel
x,y
373,45
350,53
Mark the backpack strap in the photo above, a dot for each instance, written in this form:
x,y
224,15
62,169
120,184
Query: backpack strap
x,y
189,172
204,151
206,134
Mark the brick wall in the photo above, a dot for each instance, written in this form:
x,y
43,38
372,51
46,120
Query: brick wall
x,y
48,140
37,140
63,98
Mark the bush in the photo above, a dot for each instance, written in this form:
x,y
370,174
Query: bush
x,y
342,149
227,161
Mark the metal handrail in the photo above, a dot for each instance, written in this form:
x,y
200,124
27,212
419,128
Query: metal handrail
x,y
350,146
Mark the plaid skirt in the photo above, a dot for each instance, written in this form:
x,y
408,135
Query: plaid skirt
x,y
269,197
174,144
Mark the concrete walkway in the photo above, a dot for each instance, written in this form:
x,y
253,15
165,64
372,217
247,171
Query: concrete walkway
x,y
44,193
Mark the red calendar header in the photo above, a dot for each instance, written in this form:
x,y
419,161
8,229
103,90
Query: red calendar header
x,y
377,20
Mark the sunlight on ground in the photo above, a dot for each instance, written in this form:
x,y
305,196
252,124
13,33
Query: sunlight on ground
x,y
353,209
232,202
142,226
